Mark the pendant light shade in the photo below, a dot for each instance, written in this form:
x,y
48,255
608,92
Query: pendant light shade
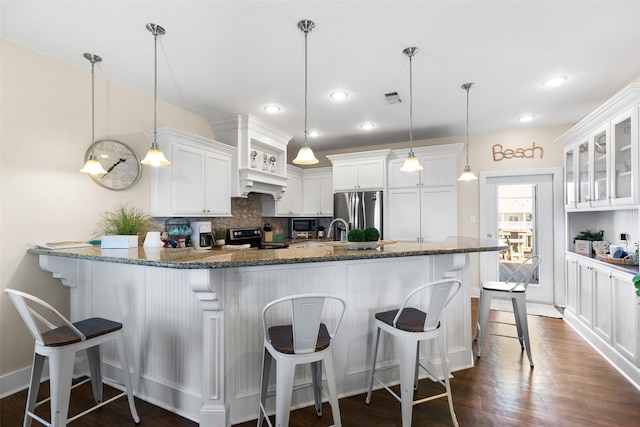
x,y
467,173
154,156
92,166
411,164
305,154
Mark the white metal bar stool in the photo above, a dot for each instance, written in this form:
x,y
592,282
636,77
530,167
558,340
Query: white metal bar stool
x,y
409,326
515,290
60,344
302,339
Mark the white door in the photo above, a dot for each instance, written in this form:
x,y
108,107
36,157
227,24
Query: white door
x,y
545,222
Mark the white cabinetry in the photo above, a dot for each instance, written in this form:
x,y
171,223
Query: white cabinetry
x,y
423,205
317,192
601,155
309,193
359,171
625,317
603,307
261,157
197,183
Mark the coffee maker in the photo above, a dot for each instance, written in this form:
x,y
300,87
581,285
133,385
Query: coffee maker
x,y
201,237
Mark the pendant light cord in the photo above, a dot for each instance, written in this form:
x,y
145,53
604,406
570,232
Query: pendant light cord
x,y
155,88
466,87
306,96
93,109
411,102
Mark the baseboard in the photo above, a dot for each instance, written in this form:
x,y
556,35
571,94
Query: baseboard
x,y
18,380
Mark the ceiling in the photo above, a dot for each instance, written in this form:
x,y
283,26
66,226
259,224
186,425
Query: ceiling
x,y
223,57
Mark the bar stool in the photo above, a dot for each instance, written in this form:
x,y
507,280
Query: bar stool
x,y
302,339
514,289
60,345
409,326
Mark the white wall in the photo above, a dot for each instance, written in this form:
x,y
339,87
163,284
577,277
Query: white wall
x,y
45,130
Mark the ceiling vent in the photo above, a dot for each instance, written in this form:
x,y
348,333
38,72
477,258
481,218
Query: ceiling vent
x,y
392,98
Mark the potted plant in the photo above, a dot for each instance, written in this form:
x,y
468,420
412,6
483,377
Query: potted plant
x,y
219,234
124,220
636,283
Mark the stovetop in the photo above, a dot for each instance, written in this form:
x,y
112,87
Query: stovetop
x,y
252,236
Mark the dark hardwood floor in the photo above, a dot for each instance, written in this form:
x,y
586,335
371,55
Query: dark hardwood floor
x,y
571,385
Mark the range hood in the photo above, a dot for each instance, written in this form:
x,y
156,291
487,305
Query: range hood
x,y
261,157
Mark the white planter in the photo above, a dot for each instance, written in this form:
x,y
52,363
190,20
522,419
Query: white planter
x,y
119,242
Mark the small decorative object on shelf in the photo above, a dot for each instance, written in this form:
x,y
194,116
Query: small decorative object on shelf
x,y
272,159
265,167
254,163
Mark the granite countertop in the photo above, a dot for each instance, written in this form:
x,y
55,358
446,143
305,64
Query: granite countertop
x,y
189,258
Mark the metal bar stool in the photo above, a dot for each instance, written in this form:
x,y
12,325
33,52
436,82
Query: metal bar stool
x,y
60,344
302,339
409,326
515,290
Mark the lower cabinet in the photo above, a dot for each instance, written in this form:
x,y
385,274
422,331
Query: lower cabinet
x,y
603,307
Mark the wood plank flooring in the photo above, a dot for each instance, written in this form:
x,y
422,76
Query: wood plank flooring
x,y
571,385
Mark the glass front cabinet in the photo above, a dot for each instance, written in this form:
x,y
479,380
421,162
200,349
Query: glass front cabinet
x,y
624,158
569,179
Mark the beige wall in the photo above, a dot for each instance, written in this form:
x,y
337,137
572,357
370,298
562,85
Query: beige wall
x,y
45,130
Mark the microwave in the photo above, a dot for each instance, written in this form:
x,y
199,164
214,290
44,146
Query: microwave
x,y
304,228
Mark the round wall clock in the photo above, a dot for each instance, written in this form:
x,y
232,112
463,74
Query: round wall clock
x,y
119,160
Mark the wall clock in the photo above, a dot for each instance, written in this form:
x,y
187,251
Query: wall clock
x,y
119,160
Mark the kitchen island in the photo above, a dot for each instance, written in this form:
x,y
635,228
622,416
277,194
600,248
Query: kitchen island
x,y
192,318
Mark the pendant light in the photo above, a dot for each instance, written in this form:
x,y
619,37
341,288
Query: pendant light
x,y
467,173
92,166
154,156
411,164
305,154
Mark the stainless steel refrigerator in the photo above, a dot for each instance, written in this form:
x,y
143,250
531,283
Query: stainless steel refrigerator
x,y
360,209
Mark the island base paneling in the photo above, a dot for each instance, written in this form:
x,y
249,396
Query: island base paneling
x,y
195,339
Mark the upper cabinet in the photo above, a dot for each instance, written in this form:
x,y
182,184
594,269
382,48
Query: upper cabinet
x,y
309,193
359,171
261,157
317,192
439,163
197,182
601,155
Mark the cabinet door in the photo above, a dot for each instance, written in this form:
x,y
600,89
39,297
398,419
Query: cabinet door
x,y
438,213
624,158
403,221
600,178
311,195
187,180
571,265
326,195
584,308
371,174
602,316
625,316
399,179
290,203
438,171
345,176
569,179
582,173
218,185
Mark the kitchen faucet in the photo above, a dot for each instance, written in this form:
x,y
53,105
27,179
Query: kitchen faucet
x,y
346,227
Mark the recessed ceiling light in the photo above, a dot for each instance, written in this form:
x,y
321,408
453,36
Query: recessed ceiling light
x,y
367,126
314,133
272,109
526,118
554,81
339,95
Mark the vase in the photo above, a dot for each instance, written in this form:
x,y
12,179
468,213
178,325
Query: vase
x,y
153,240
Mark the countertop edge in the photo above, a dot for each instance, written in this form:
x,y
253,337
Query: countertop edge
x,y
343,255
